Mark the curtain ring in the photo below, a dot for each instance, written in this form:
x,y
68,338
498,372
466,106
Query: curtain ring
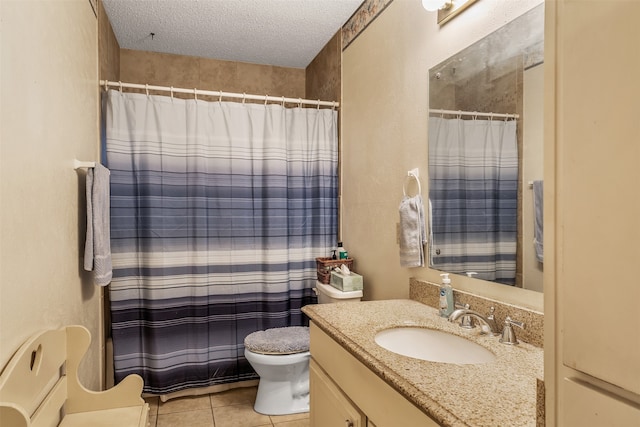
x,y
195,94
220,97
333,105
283,102
265,99
172,93
120,86
106,85
299,102
244,97
146,87
318,106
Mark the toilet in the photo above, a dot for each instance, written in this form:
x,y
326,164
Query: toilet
x,y
280,356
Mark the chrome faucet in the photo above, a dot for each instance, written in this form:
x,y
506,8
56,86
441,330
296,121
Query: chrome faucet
x,y
489,320
467,321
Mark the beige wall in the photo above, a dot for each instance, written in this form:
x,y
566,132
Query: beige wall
x,y
210,74
108,47
384,133
49,109
322,75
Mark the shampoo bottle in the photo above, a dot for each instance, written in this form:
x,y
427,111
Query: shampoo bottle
x,y
446,296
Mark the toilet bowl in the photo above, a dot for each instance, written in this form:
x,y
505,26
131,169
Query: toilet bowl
x,y
284,382
280,356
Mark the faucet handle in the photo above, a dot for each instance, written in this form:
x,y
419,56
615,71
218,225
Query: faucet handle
x,y
508,334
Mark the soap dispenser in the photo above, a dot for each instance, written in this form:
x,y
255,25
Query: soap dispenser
x,y
342,252
446,296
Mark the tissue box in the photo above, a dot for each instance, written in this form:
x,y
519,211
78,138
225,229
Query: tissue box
x,y
352,282
326,265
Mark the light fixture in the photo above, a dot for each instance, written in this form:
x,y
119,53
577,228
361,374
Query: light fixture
x,y
433,5
447,9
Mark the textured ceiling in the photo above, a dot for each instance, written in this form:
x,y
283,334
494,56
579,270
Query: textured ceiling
x,y
287,33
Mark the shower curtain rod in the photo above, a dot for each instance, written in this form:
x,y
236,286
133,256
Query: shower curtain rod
x,y
475,114
220,94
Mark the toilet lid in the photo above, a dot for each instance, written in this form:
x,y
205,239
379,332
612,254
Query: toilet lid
x,y
289,340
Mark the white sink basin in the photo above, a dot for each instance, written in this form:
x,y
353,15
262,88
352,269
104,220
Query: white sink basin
x,y
433,345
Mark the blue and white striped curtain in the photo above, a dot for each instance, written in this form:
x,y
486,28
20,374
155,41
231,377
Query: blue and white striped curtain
x,y
473,187
218,211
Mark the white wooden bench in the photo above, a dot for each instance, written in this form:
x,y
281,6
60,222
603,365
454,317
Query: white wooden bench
x,y
39,387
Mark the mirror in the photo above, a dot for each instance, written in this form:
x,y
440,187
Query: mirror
x,y
485,156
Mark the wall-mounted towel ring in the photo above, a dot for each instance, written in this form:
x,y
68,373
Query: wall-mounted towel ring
x,y
411,174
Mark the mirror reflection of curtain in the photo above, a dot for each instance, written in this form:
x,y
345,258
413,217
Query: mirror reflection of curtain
x,y
218,211
473,178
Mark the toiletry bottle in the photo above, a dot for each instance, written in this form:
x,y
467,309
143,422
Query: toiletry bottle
x,y
342,252
446,296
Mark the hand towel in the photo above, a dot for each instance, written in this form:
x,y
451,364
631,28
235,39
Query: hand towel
x,y
430,242
413,232
538,218
97,248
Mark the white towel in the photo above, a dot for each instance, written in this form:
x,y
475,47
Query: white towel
x,y
413,232
430,231
97,248
538,228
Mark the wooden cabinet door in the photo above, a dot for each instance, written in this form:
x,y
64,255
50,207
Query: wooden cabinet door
x,y
329,407
598,157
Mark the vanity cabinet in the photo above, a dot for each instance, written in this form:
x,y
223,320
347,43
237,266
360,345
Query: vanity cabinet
x,y
344,390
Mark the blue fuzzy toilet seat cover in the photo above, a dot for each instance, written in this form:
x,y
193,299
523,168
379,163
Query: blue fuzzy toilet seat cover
x,y
289,340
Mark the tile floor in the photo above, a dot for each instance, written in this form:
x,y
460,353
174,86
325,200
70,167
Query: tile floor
x,y
233,408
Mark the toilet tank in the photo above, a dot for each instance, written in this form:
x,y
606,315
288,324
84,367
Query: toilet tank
x,y
328,294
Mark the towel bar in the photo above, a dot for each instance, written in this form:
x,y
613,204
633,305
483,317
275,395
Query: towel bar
x,y
77,164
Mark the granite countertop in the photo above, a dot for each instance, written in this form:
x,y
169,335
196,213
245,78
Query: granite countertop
x,y
497,393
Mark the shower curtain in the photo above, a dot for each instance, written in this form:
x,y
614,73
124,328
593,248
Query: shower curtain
x,y
218,211
473,180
